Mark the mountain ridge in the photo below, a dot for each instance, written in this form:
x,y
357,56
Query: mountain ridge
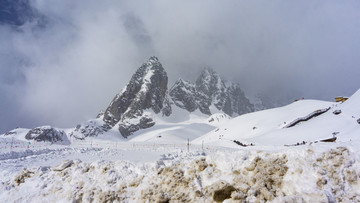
x,y
147,96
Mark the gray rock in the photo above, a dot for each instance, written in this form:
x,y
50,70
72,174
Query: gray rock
x,y
146,93
146,90
183,94
237,103
166,110
90,128
337,112
47,133
100,114
128,127
210,89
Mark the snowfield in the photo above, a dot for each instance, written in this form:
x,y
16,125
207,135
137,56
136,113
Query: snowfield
x,y
283,164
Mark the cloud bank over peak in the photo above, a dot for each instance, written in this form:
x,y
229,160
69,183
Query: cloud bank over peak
x,y
67,62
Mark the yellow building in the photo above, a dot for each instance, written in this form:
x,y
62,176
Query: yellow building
x,y
341,99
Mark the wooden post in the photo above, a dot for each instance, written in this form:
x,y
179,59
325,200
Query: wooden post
x,y
188,145
12,143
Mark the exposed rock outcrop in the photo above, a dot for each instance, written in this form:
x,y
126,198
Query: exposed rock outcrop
x,y
47,133
166,110
146,95
237,103
90,128
146,90
184,95
210,90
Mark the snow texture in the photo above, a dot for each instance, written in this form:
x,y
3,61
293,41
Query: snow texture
x,y
211,168
319,173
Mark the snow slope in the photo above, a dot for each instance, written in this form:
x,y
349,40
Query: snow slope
x,y
269,127
178,128
149,168
256,127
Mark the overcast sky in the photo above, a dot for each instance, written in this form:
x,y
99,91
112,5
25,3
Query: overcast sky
x,y
63,70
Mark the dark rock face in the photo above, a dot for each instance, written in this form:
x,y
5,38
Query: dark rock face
x,y
146,90
231,100
11,132
237,102
89,129
183,94
166,110
128,127
47,133
146,94
210,89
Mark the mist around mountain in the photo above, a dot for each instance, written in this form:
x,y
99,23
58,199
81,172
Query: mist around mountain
x,y
147,96
196,139
207,143
179,144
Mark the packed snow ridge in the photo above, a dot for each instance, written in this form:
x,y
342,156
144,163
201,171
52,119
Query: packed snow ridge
x,y
306,174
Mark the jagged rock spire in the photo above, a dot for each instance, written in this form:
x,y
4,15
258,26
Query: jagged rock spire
x,y
146,94
210,89
146,90
184,94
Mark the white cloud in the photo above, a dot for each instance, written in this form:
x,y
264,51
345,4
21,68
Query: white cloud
x,y
66,72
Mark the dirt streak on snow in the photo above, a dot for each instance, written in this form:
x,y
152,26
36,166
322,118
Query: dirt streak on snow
x,y
321,173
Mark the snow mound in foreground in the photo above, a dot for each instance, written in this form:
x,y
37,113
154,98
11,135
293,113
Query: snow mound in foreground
x,y
303,174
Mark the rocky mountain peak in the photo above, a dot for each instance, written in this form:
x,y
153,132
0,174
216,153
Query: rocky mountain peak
x,y
146,90
152,60
210,94
212,89
212,86
205,82
146,95
184,95
237,103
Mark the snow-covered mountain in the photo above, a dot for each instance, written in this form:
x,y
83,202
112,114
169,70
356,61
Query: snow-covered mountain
x,y
210,95
146,90
146,98
307,151
146,110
